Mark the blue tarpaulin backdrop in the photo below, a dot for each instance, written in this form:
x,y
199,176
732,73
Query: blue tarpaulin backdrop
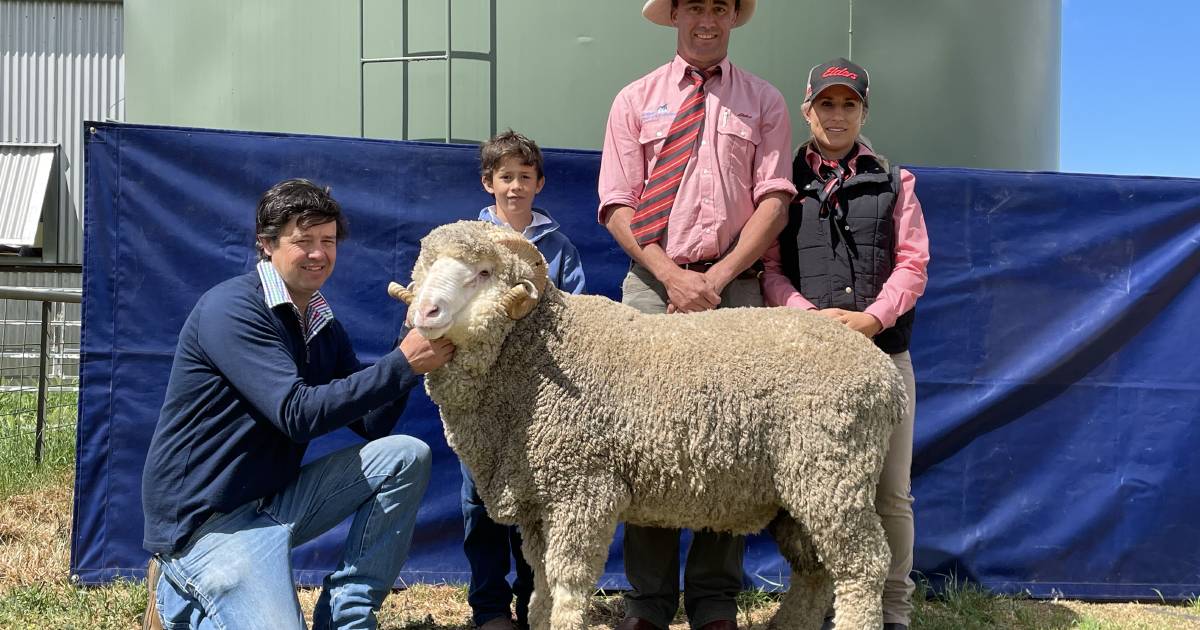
x,y
1056,348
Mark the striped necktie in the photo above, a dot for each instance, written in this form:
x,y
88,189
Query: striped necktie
x,y
649,223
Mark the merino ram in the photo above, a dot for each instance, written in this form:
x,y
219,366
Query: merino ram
x,y
575,412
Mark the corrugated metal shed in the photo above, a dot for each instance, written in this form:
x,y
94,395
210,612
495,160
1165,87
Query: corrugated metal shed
x,y
61,63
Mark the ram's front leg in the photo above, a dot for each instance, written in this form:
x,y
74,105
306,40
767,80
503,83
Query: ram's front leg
x,y
533,547
577,540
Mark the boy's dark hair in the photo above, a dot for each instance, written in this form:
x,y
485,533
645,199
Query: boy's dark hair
x,y
508,144
308,203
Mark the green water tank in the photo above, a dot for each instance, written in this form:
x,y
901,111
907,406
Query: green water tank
x,y
954,82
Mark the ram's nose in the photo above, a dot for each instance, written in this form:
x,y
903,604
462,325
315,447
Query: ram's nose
x,y
429,314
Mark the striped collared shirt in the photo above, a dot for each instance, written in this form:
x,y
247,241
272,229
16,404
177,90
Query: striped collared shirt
x,y
275,293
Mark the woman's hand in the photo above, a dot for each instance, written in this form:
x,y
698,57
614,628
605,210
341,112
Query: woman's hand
x,y
864,323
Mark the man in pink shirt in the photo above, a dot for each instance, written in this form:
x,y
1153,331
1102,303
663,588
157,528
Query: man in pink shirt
x,y
695,224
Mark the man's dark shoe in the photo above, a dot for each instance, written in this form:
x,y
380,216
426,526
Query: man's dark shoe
x,y
828,625
151,620
636,623
499,623
721,624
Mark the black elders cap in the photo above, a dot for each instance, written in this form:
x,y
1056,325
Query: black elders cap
x,y
838,71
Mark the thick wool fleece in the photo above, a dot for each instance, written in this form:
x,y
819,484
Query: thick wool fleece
x,y
587,412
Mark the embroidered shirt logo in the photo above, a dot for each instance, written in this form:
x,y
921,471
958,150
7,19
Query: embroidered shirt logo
x,y
660,112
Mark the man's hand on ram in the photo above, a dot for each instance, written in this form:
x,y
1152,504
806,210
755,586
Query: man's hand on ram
x,y
425,355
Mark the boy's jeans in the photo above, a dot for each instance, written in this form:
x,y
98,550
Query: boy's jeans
x,y
236,571
488,546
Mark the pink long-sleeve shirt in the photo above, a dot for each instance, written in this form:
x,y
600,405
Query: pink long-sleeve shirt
x,y
909,275
743,155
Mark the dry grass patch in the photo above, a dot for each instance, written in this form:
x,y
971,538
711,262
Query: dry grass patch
x,y
35,530
444,607
420,607
966,606
1133,616
35,591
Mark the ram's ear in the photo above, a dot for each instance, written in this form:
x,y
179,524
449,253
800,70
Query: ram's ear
x,y
520,300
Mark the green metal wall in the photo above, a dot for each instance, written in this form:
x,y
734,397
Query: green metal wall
x,y
955,82
274,65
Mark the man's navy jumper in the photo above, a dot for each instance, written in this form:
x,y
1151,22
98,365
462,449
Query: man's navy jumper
x,y
245,396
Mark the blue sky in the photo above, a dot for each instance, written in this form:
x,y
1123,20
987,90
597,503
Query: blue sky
x,y
1131,87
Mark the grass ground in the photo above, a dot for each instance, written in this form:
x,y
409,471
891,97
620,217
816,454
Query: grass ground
x,y
17,427
35,592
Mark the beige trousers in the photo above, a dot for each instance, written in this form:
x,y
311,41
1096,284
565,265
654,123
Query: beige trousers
x,y
893,502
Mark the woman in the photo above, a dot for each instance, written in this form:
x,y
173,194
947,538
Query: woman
x,y
855,250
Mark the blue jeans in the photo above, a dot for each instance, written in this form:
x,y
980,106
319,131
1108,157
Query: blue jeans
x,y
236,570
488,546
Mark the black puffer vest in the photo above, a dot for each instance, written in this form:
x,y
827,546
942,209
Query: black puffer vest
x,y
839,249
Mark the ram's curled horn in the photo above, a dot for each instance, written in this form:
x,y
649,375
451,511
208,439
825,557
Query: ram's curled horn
x,y
400,292
519,300
523,297
528,252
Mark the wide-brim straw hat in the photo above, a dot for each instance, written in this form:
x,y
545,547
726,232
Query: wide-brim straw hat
x,y
659,12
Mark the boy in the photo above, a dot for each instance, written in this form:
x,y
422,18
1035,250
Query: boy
x,y
511,171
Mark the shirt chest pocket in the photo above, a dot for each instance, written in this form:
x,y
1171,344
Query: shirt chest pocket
x,y
737,142
651,138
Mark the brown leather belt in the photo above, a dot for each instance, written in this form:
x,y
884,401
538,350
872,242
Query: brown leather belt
x,y
753,272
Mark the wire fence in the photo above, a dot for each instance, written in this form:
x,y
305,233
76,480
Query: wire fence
x,y
39,365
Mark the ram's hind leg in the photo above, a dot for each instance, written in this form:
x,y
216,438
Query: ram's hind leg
x,y
803,606
829,490
849,540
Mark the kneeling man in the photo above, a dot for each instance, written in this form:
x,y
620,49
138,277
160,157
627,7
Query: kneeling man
x,y
261,369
